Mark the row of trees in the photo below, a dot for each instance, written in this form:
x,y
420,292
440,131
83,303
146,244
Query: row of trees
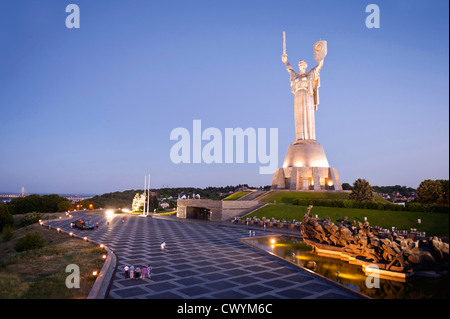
x,y
435,192
125,198
403,190
37,203
30,206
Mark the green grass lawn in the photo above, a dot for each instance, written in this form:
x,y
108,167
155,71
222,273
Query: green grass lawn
x,y
432,223
236,195
286,197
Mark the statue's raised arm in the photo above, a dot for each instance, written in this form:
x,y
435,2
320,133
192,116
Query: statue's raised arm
x,y
289,67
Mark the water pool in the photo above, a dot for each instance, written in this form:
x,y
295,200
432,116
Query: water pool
x,y
298,252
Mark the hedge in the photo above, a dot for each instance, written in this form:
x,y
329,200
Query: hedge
x,y
347,203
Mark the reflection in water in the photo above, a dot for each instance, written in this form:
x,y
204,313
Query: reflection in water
x,y
296,251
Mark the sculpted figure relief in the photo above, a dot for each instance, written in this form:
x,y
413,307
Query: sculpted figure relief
x,y
390,251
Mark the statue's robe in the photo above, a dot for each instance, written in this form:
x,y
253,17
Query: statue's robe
x,y
305,88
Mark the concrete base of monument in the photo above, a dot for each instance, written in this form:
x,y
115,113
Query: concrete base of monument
x,y
306,179
306,167
305,153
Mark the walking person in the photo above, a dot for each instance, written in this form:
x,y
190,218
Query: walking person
x,y
127,269
144,272
131,271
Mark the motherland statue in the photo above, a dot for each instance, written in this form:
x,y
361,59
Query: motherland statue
x,y
305,165
305,87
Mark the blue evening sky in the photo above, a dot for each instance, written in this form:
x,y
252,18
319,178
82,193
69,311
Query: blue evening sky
x,y
90,110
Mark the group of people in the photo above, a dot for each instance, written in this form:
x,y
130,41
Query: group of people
x,y
132,272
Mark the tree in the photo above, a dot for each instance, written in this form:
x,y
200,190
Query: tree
x,y
64,206
5,217
27,204
444,198
50,203
154,203
88,204
433,192
35,203
362,191
346,187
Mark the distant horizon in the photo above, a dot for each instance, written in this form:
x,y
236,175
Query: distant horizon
x,y
170,187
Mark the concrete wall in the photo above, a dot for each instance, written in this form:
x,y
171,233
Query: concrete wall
x,y
220,210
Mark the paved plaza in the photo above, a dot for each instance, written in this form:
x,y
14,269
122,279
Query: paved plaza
x,y
201,260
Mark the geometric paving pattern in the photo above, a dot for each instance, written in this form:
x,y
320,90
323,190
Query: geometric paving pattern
x,y
201,261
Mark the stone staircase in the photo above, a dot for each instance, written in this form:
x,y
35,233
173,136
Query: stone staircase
x,y
254,195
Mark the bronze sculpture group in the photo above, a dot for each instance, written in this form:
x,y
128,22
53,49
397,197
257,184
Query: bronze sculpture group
x,y
389,251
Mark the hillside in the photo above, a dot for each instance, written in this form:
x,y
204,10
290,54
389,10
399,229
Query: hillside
x,y
432,224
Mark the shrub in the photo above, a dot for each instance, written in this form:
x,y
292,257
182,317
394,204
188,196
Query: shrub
x,y
413,207
429,191
29,219
346,203
30,241
362,191
5,217
7,232
441,209
35,203
64,206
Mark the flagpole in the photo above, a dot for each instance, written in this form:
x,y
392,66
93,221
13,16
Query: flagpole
x,y
148,202
145,190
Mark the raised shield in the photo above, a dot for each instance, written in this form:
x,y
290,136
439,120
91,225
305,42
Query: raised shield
x,y
320,50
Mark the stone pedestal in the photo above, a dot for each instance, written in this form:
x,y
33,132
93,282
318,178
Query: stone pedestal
x,y
305,153
306,167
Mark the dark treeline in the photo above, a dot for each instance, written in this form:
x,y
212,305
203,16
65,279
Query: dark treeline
x,y
206,193
37,203
125,198
403,190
